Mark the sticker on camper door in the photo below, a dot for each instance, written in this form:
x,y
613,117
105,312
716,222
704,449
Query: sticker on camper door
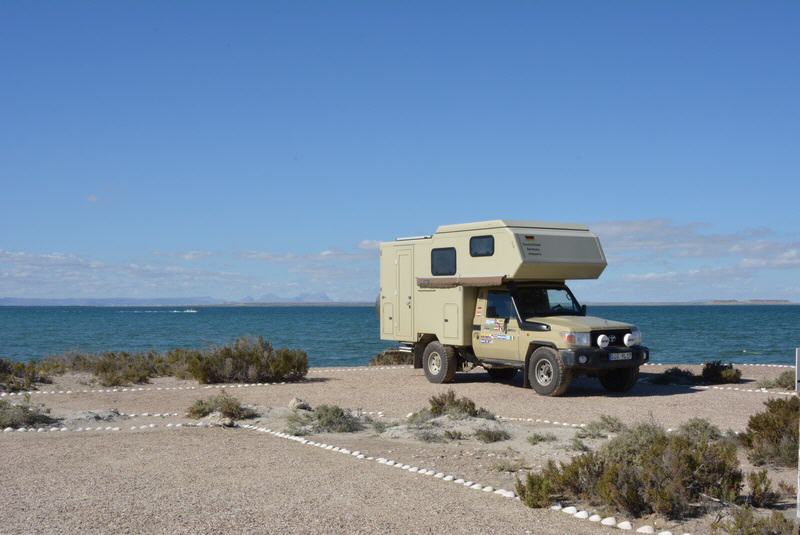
x,y
486,339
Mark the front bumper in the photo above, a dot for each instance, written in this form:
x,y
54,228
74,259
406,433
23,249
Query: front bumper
x,y
596,358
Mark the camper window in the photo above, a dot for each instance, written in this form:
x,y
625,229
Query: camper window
x,y
443,261
481,246
543,301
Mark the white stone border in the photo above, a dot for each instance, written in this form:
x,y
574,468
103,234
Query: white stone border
x,y
538,421
734,363
142,389
143,427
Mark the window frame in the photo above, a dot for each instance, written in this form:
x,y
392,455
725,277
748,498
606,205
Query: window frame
x,y
455,261
481,237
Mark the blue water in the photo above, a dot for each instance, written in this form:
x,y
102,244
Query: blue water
x,y
341,336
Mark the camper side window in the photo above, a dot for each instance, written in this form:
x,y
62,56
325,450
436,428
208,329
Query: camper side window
x,y
498,305
481,246
443,261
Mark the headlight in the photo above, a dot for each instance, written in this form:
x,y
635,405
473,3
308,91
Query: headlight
x,y
576,339
633,338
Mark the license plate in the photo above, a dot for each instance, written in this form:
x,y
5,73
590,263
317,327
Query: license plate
x,y
620,356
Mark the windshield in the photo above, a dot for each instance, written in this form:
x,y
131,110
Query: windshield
x,y
536,301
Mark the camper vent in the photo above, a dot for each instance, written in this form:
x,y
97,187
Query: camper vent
x,y
413,238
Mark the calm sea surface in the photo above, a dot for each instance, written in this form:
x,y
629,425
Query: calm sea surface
x,y
340,336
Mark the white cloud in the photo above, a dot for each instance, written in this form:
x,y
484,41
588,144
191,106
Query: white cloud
x,y
185,255
369,245
92,198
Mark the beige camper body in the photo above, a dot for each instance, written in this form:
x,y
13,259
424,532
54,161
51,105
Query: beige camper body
x,y
440,289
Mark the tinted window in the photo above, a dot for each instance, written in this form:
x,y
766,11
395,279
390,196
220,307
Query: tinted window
x,y
481,246
498,305
443,261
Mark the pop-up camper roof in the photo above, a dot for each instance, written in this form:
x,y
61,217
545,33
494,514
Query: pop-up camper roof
x,y
520,251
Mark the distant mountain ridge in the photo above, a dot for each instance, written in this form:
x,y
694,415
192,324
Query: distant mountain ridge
x,y
304,298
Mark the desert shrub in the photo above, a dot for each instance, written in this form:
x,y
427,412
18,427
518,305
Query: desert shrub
x,y
716,372
324,419
674,375
453,435
536,491
18,376
745,522
23,414
785,381
377,426
392,358
247,360
491,435
538,438
700,429
600,428
429,435
223,403
761,493
455,407
576,444
644,470
244,360
772,435
508,465
420,418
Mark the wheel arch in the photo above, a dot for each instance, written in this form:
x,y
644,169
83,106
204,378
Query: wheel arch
x,y
419,347
533,346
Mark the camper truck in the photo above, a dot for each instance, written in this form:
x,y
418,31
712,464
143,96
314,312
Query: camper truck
x,y
493,294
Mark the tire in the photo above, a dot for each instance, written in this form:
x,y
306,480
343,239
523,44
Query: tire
x,y
547,374
620,379
502,374
439,362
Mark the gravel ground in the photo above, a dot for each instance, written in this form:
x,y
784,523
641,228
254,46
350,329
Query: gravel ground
x,y
236,481
213,480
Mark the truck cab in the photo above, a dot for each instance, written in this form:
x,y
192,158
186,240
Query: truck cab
x,y
494,294
542,327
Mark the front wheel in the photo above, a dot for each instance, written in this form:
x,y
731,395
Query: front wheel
x,y
620,379
439,362
547,374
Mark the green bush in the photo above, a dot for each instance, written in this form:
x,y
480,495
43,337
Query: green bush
x,y
223,403
429,435
244,360
700,429
761,493
19,376
645,470
600,428
576,444
455,407
23,414
772,435
453,435
324,419
535,492
745,522
716,372
248,360
392,358
538,438
491,435
785,381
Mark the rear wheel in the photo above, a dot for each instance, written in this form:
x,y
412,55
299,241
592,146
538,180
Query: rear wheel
x,y
502,374
439,362
620,379
547,374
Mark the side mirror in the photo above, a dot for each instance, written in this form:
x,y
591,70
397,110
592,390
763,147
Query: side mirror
x,y
583,310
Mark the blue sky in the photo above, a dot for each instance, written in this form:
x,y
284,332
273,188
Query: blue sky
x,y
154,149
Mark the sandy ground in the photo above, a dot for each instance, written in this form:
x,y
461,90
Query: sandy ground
x,y
213,480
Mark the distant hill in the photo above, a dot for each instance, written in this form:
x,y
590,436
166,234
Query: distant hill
x,y
318,297
109,301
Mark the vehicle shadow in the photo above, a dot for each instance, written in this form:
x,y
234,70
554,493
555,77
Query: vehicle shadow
x,y
588,386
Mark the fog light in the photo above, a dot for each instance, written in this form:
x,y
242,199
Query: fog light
x,y
630,340
582,359
603,340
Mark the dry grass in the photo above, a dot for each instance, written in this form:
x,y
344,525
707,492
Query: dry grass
x,y
23,414
223,403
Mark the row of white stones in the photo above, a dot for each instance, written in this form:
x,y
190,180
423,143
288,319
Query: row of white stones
x,y
609,521
358,368
735,364
752,390
539,420
177,425
98,390
386,462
